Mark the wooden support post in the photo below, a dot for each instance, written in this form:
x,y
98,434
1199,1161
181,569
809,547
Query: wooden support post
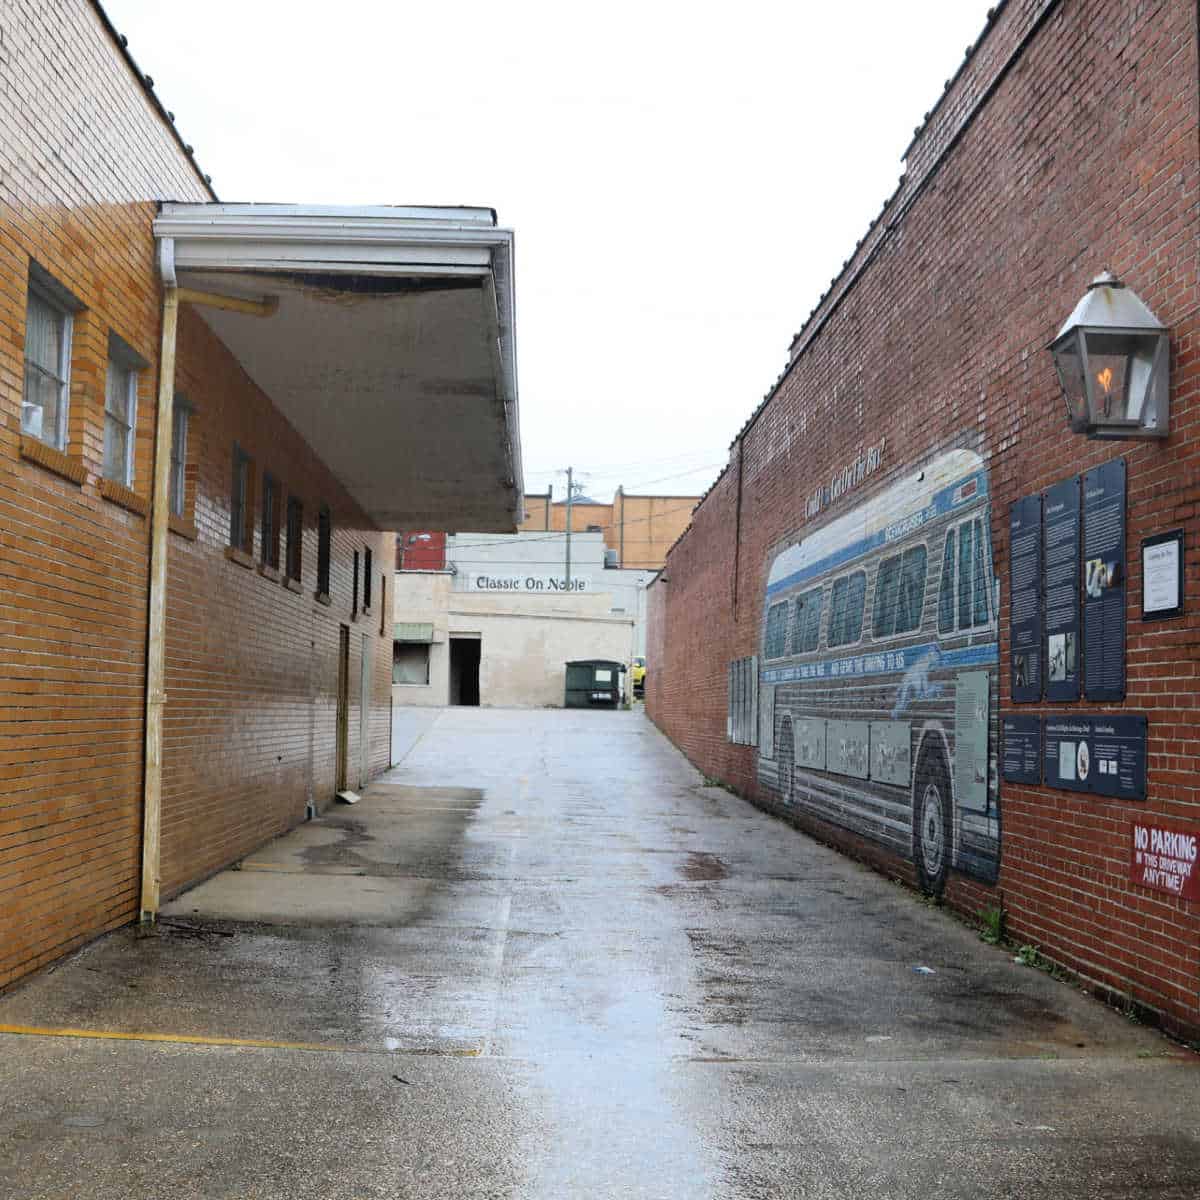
x,y
156,637
253,308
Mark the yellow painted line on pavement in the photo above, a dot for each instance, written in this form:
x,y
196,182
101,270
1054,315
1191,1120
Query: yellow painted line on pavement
x,y
189,1039
281,868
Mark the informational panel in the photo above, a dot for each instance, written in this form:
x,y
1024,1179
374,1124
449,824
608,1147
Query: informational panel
x,y
1061,528
1104,582
1162,576
847,747
891,752
971,739
809,733
1021,754
1165,859
1025,598
1105,756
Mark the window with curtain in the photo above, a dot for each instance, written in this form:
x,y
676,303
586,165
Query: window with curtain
x,y
47,368
179,440
120,418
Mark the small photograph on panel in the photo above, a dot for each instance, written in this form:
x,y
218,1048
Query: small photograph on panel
x,y
1058,657
1066,761
1101,576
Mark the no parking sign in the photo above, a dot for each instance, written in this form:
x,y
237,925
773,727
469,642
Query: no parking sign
x,y
1165,860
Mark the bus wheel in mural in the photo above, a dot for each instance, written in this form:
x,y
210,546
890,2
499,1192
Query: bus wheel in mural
x,y
932,828
786,757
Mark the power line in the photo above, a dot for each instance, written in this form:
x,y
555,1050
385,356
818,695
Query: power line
x,y
679,475
663,478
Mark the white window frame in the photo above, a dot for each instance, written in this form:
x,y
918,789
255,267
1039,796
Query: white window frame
x,y
123,358
47,292
177,492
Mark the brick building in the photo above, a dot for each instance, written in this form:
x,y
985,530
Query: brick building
x,y
211,414
920,391
638,529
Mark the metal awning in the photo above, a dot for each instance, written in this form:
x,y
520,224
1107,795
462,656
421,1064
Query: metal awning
x,y
390,346
413,631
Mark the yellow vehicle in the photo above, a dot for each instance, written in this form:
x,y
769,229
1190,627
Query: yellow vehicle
x,y
637,676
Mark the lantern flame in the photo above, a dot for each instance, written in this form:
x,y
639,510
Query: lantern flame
x,y
1104,378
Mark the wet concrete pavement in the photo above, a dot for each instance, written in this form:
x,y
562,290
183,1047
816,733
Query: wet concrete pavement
x,y
541,959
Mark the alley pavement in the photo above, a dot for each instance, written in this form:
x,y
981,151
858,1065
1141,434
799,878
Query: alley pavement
x,y
541,959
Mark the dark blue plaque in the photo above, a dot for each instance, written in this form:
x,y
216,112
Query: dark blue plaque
x,y
1104,582
1021,760
1025,599
1060,508
1105,756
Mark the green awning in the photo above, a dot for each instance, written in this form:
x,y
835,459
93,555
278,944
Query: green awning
x,y
413,631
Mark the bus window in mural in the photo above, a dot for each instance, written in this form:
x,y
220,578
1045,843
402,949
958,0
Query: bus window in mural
x,y
877,693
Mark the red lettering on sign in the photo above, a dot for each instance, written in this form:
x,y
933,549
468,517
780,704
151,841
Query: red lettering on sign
x,y
1165,859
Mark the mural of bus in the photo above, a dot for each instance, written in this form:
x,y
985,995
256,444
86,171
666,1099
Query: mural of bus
x,y
878,672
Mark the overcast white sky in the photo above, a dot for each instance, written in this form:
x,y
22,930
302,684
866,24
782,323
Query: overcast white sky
x,y
683,179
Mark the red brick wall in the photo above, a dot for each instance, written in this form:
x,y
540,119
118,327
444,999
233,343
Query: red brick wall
x,y
421,550
1082,154
84,155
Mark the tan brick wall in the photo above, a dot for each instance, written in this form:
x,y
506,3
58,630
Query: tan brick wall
x,y
249,727
652,524
84,155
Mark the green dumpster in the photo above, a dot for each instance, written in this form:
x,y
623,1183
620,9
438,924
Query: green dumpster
x,y
594,683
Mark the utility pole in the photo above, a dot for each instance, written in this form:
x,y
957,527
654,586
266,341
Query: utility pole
x,y
570,498
621,543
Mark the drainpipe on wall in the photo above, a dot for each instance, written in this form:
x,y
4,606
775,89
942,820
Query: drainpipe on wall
x,y
737,526
156,631
156,697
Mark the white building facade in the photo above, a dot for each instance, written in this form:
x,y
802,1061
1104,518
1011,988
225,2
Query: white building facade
x,y
499,623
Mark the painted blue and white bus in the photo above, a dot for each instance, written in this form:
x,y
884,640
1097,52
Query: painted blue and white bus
x,y
878,672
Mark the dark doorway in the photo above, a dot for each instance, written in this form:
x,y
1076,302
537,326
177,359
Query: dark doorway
x,y
464,670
